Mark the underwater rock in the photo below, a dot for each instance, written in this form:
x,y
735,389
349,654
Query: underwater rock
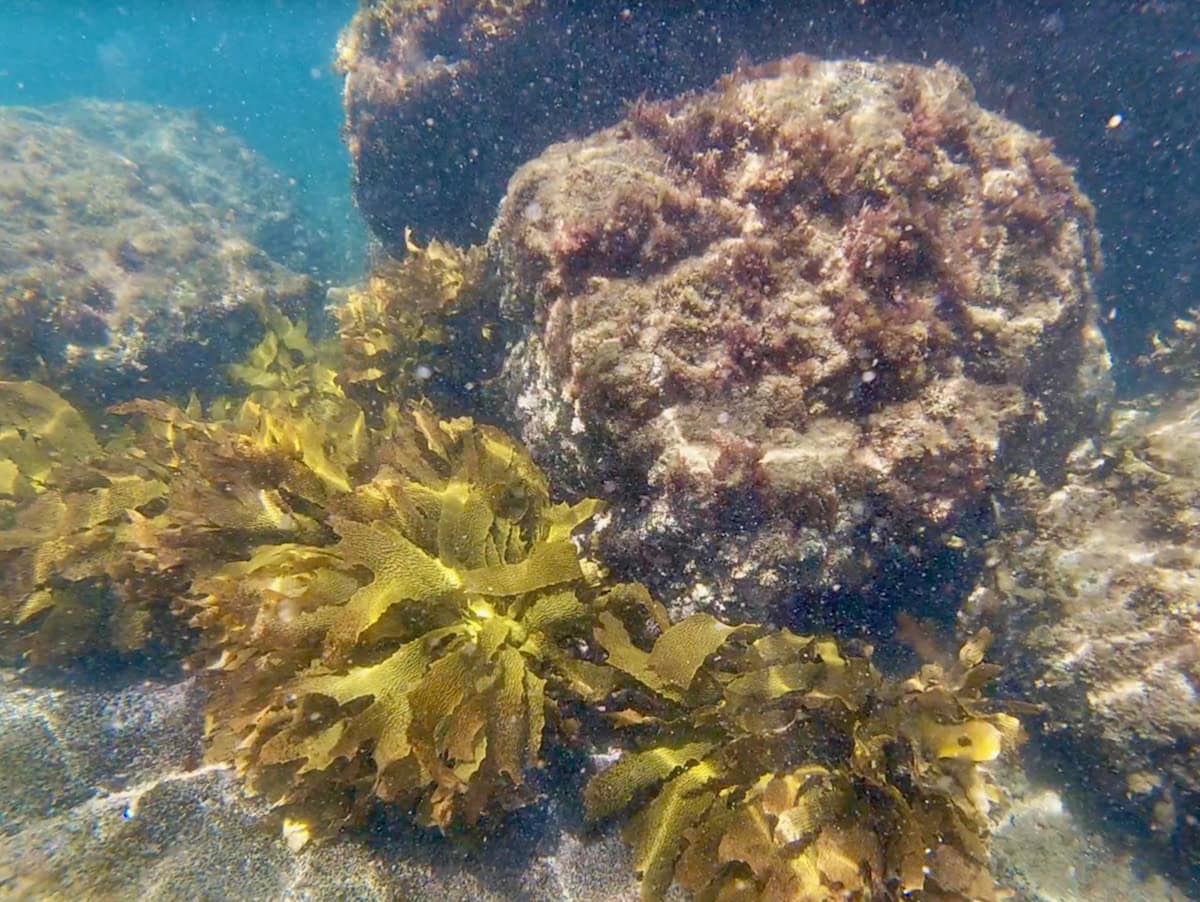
x,y
444,100
1094,592
1045,849
205,166
796,326
139,246
415,72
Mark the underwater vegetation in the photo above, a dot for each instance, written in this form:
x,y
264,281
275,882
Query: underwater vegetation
x,y
417,317
770,765
398,611
407,656
69,577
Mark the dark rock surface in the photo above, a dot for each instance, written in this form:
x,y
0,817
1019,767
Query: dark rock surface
x,y
104,795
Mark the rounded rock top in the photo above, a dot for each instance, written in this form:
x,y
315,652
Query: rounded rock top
x,y
823,305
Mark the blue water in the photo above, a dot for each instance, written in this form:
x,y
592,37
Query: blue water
x,y
261,69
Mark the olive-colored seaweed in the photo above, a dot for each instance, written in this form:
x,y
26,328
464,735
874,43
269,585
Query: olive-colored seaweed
x,y
771,765
70,577
394,328
392,608
407,656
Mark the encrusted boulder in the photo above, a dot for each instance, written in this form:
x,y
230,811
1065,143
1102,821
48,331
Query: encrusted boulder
x,y
798,325
138,247
444,99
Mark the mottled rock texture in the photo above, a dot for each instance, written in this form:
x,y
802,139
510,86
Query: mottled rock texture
x,y
1045,848
444,100
104,797
799,324
137,243
1094,592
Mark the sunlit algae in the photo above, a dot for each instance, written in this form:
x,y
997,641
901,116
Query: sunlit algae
x,y
391,607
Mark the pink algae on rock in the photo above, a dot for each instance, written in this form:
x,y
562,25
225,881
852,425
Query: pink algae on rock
x,y
810,315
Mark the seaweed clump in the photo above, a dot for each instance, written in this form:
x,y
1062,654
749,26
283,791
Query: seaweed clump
x,y
396,327
389,622
100,541
392,608
770,765
407,656
70,576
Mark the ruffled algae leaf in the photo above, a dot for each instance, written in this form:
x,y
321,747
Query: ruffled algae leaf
x,y
785,767
614,789
71,578
424,634
397,326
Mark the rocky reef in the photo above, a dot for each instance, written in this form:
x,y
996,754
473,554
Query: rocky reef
x,y
778,344
1094,590
415,71
796,326
139,245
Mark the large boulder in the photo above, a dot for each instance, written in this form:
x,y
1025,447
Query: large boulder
x,y
139,244
444,99
798,325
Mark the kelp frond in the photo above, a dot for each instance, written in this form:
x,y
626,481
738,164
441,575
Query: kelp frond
x,y
70,578
405,321
407,657
777,766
